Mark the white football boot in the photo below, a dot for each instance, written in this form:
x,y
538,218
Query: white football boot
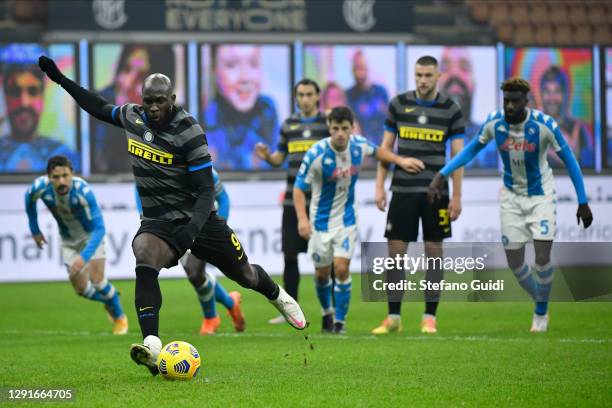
x,y
147,353
290,309
539,324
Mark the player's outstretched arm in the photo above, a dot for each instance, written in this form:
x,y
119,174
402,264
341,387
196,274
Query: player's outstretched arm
x,y
435,187
584,211
89,101
31,195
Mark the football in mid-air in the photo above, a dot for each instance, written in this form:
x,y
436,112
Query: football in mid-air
x,y
179,360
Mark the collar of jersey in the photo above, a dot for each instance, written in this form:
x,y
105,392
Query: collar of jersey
x,y
308,120
425,102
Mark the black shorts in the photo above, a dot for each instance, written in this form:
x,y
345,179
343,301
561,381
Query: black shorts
x,y
216,243
405,211
291,240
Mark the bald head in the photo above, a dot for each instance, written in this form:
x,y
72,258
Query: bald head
x,y
159,82
158,99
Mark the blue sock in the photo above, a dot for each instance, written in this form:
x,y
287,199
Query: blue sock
x,y
206,295
526,280
324,293
91,294
223,297
544,278
111,298
342,294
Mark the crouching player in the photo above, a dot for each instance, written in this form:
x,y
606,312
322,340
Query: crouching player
x,y
81,227
528,201
331,167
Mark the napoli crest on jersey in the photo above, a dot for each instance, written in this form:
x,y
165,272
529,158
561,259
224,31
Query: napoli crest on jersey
x,y
148,136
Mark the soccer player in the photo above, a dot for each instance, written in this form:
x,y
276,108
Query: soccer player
x,y
331,168
298,133
528,201
73,205
173,172
423,121
206,285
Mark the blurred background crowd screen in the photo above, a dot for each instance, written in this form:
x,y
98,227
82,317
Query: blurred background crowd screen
x,y
245,92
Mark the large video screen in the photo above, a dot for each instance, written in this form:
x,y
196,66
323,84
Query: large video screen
x,y
118,71
561,86
38,119
608,99
246,94
362,77
468,75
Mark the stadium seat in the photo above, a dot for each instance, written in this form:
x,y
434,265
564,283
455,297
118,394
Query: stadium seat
x,y
577,13
543,34
500,14
505,32
601,34
538,13
523,35
519,13
563,35
557,13
480,11
583,34
597,13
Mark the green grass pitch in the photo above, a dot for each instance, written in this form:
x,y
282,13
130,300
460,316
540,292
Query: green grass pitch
x,y
483,354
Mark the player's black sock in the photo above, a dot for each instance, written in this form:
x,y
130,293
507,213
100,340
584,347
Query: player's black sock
x,y
265,285
148,300
395,297
431,308
432,297
291,276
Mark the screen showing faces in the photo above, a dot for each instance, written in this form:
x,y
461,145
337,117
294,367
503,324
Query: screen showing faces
x,y
468,75
246,94
118,71
561,82
362,77
38,119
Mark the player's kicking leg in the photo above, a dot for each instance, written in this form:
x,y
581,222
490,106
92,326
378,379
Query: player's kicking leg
x,y
219,245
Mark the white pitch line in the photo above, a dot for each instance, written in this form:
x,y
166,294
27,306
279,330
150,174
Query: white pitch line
x,y
317,336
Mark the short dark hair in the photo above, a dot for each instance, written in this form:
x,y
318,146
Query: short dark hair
x,y
554,74
307,81
13,69
341,113
58,161
515,84
427,60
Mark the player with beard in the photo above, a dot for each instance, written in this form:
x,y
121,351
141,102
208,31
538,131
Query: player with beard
x,y
23,149
173,173
528,200
422,121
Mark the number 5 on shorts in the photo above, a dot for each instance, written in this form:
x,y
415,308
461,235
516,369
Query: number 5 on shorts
x,y
544,226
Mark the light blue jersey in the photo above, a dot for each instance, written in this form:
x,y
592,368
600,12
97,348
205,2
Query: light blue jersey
x,y
332,176
523,147
77,213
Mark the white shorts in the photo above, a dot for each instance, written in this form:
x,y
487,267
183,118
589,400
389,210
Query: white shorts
x,y
71,250
323,246
525,218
